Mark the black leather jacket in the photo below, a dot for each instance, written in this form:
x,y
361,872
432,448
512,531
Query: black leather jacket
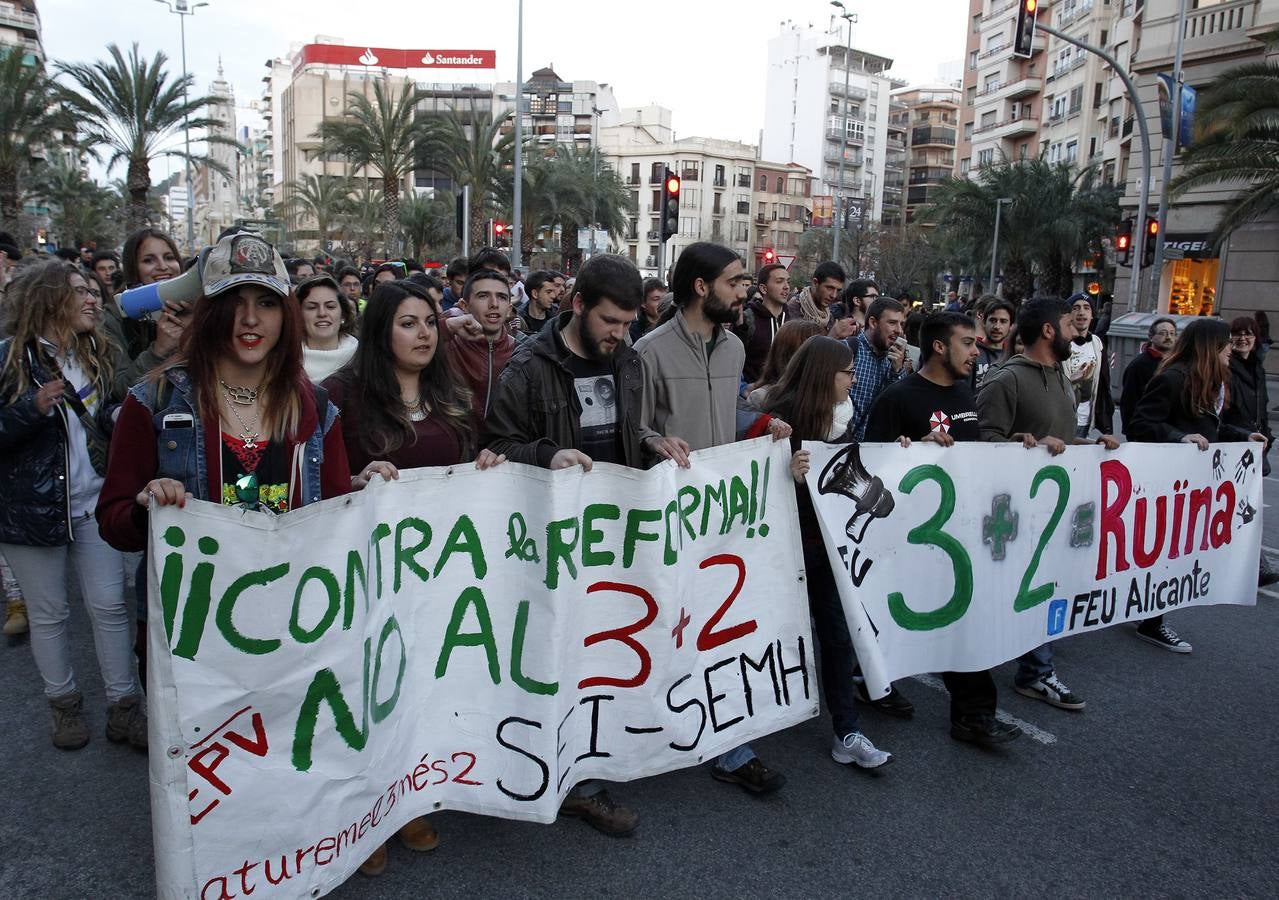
x,y
34,462
534,413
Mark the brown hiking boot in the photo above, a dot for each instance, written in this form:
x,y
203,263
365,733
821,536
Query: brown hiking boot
x,y
419,835
70,731
602,813
15,619
127,721
375,865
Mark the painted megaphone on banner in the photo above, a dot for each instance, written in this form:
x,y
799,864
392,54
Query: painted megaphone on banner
x,y
141,301
846,475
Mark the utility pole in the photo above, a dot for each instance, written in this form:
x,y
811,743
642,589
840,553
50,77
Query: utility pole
x,y
849,18
517,217
1143,195
994,249
1170,151
182,8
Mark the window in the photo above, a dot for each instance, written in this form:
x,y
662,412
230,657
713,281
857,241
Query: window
x,y
634,179
1076,99
1059,107
988,119
968,131
690,226
781,185
976,24
657,201
1105,38
1092,147
972,59
763,182
1072,151
964,165
1096,95
690,170
1054,152
985,157
1023,151
972,94
719,177
690,198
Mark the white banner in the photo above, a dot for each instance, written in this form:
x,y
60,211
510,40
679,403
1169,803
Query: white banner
x,y
478,641
962,558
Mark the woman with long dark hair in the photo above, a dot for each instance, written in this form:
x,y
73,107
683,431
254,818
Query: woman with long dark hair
x,y
1183,404
55,398
1249,407
150,256
405,406
816,380
328,323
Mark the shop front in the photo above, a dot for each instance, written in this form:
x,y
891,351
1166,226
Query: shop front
x,y
1191,276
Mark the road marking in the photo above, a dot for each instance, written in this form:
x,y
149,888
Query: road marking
x,y
1269,549
1268,593
1034,732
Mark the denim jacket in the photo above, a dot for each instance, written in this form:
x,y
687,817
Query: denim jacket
x,y
180,450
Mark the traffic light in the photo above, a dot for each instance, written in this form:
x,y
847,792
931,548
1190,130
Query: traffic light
x,y
1148,245
769,256
499,233
1123,242
670,206
1024,33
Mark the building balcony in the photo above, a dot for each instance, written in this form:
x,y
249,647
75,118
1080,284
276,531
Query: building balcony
x,y
1013,90
832,155
853,93
1010,128
834,134
932,135
20,19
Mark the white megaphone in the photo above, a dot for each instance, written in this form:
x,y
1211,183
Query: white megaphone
x,y
188,287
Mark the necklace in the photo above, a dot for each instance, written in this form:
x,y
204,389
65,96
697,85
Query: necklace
x,y
240,396
417,412
248,433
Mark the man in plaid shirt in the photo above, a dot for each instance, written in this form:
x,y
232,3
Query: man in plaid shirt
x,y
877,361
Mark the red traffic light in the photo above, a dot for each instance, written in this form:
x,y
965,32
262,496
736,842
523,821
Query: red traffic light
x,y
1123,242
1031,5
672,185
499,227
770,257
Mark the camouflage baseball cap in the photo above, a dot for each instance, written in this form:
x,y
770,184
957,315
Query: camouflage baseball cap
x,y
243,258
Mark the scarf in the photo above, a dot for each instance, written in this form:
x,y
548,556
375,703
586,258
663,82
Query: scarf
x,y
808,309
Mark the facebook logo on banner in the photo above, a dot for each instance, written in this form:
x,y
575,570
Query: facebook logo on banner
x,y
1056,616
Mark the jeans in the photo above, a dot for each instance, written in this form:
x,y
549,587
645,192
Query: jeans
x,y
1032,666
971,694
736,758
42,575
834,643
584,789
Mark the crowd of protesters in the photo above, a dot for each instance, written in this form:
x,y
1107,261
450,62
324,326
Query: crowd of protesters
x,y
291,381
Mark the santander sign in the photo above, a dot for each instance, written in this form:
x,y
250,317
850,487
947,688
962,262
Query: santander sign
x,y
387,58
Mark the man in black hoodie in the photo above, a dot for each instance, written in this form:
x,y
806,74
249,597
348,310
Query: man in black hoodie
x,y
762,317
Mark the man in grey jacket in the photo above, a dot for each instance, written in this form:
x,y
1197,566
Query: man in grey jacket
x,y
1030,399
692,374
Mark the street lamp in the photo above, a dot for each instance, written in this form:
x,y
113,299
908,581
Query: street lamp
x,y
517,215
849,18
994,249
182,9
595,173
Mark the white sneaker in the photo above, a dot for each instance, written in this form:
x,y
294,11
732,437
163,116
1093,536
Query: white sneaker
x,y
856,749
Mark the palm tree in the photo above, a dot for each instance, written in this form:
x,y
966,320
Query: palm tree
x,y
379,133
480,154
361,220
319,198
429,223
572,188
130,108
1237,141
82,210
24,124
1058,218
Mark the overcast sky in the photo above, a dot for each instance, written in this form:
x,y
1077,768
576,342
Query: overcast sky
x,y
713,82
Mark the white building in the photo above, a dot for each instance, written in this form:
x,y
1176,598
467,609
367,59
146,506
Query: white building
x,y
217,193
715,193
556,111
805,118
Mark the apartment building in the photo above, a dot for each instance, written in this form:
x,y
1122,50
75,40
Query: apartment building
x,y
928,118
810,118
1076,83
20,27
782,201
1002,93
217,193
717,182
1243,276
556,111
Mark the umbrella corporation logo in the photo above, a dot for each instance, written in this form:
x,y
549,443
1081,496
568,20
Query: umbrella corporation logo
x,y
1139,528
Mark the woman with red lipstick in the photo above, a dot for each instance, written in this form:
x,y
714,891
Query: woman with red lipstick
x,y
232,417
55,377
405,406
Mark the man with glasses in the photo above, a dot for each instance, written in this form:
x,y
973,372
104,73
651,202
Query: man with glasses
x,y
850,312
1162,335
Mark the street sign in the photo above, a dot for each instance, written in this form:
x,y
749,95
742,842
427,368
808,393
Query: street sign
x,y
785,260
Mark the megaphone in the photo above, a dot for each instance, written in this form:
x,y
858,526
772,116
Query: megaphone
x,y
141,301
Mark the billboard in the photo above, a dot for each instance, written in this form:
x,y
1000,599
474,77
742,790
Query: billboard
x,y
386,58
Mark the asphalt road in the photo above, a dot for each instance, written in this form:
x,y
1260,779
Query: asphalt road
x,y
1165,785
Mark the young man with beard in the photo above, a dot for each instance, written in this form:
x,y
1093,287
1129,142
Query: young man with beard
x,y
995,319
1030,399
1162,335
937,405
815,301
764,315
692,370
571,396
879,358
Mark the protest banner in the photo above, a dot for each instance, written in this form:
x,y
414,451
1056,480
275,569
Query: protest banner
x,y
962,558
477,641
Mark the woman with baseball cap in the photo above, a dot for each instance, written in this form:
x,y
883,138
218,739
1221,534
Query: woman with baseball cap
x,y
232,417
